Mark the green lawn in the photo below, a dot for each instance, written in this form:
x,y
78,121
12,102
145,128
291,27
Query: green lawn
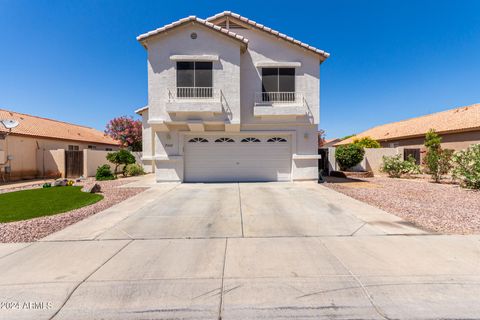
x,y
28,204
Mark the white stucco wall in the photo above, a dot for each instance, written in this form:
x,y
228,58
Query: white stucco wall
x,y
162,70
263,47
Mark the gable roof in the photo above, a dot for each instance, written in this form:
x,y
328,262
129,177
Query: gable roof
x,y
47,128
322,54
460,119
192,19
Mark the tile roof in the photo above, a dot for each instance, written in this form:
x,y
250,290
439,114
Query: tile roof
x,y
189,19
460,119
140,110
255,24
47,128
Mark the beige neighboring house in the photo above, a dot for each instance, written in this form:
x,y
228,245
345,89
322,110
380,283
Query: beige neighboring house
x,y
230,99
36,147
459,128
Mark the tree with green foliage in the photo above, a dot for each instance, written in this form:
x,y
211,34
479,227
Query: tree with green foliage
x,y
367,142
121,157
346,137
467,167
349,155
437,161
104,173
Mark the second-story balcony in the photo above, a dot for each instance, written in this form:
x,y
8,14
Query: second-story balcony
x,y
279,104
194,99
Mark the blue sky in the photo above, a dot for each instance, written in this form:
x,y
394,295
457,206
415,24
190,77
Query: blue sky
x,y
390,60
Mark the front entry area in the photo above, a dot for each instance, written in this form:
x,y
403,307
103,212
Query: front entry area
x,y
231,158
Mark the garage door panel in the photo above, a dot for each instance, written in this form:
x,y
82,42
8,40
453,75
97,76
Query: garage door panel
x,y
237,161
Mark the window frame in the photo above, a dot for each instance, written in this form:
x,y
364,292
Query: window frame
x,y
224,140
198,140
276,140
278,78
194,73
73,147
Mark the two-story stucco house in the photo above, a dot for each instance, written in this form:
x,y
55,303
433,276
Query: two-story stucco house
x,y
230,99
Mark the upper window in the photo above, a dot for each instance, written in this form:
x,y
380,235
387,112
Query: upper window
x,y
92,147
197,140
277,139
278,84
224,140
73,147
250,140
194,79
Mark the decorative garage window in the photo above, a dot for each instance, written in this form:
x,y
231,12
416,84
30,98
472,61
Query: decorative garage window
x,y
198,140
250,140
224,140
277,139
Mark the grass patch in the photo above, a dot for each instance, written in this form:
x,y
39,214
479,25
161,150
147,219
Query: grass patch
x,y
28,204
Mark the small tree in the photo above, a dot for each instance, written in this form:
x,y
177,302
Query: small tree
x,y
467,167
104,173
349,156
367,142
126,130
120,157
437,160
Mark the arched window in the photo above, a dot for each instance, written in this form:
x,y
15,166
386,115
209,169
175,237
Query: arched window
x,y
197,140
224,140
250,140
277,139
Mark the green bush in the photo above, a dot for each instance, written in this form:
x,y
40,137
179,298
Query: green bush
x,y
438,161
367,142
134,170
467,167
395,167
121,157
349,156
104,173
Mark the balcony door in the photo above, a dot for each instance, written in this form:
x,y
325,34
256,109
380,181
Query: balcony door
x,y
278,84
194,79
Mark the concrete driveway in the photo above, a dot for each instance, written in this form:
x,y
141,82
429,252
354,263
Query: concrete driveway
x,y
241,251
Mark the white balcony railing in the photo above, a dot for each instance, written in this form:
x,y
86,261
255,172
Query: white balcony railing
x,y
265,98
193,93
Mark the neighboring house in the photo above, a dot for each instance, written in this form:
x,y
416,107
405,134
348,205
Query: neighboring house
x,y
230,100
328,142
459,128
35,148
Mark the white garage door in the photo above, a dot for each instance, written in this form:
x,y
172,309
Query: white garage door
x,y
237,158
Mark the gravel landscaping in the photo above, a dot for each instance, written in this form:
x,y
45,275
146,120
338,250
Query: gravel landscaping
x,y
34,229
443,208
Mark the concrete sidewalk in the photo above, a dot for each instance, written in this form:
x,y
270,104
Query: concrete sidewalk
x,y
248,251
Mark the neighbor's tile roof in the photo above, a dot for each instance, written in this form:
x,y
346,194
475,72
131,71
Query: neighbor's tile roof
x,y
47,128
465,118
189,19
255,24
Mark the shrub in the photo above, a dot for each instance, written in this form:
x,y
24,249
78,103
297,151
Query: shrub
x,y
438,161
349,156
467,167
134,170
395,167
104,173
367,142
121,157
